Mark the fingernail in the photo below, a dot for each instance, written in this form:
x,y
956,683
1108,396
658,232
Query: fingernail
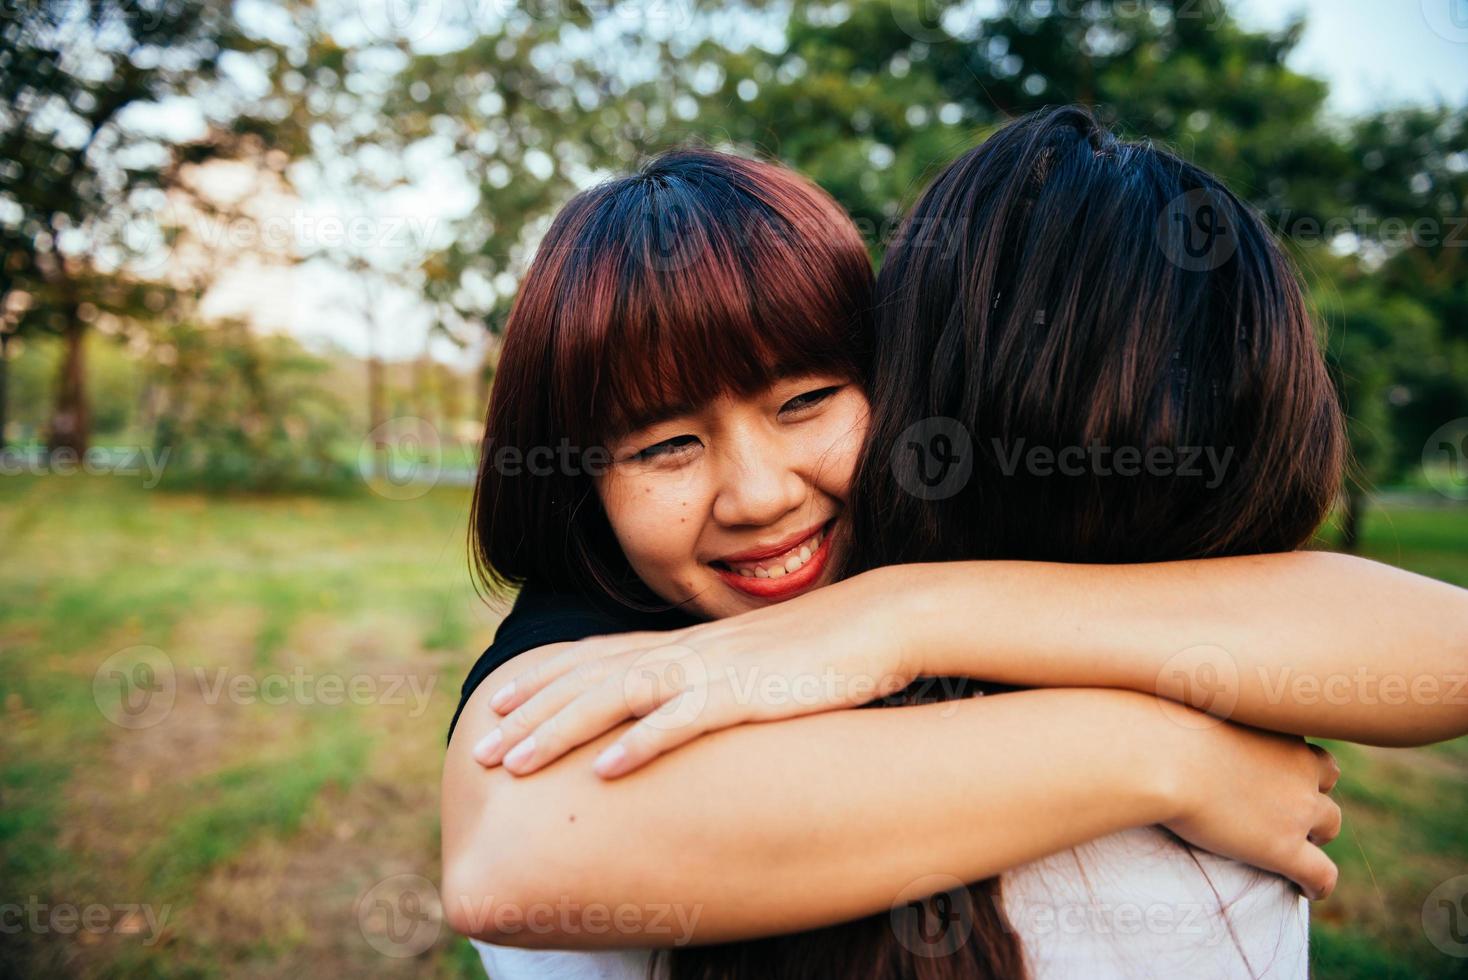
x,y
609,763
486,748
520,753
502,696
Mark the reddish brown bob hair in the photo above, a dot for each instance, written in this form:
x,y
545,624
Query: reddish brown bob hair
x,y
703,274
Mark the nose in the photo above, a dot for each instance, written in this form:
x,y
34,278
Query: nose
x,y
758,484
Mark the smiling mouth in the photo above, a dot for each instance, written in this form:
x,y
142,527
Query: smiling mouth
x,y
782,574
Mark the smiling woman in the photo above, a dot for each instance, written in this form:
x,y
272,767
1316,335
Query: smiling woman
x,y
767,286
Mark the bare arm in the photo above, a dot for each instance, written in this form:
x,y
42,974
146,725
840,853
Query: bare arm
x,y
1307,643
815,820
1311,643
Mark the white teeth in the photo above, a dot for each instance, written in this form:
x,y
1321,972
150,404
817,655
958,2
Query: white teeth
x,y
791,564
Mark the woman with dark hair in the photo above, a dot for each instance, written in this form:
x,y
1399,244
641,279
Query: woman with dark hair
x,y
1028,301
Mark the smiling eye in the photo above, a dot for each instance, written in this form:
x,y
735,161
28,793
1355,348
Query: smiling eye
x,y
810,398
676,446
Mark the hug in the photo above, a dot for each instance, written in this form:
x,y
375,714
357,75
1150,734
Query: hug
x,y
811,503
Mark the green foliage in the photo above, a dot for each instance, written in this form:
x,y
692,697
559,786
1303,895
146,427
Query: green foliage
x,y
245,413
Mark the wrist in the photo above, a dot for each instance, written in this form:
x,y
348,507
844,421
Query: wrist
x,y
916,611
941,610
1169,771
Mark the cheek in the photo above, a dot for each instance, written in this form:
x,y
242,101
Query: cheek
x,y
840,449
657,520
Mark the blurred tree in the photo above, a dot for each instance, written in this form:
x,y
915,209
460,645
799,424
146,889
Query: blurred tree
x,y
88,141
1407,225
243,413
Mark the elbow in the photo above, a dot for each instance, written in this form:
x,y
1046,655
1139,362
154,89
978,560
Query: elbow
x,y
510,881
496,899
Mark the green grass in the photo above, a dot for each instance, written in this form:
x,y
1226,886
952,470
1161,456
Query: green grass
x,y
232,808
262,824
286,811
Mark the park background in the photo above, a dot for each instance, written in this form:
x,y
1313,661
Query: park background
x,y
257,258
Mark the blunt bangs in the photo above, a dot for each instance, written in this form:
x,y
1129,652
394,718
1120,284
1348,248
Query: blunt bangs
x,y
702,276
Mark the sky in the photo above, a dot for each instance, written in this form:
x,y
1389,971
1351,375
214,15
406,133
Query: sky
x,y
1374,53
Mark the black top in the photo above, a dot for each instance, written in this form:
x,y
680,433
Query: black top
x,y
542,617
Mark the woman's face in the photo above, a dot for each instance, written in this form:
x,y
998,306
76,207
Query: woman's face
x,y
731,506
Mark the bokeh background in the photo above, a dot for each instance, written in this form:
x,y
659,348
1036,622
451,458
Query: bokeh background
x,y
255,260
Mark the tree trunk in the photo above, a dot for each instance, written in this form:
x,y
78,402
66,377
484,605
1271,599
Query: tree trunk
x,y
1351,520
4,378
69,422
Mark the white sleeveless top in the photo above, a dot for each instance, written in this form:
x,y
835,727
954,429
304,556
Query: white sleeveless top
x,y
1130,905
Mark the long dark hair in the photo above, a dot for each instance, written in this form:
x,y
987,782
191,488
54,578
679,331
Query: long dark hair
x,y
1059,289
